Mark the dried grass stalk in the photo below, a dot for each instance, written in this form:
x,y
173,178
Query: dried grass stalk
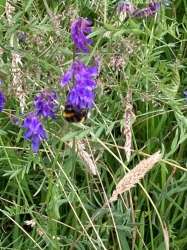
x,y
53,18
127,126
8,10
166,237
134,175
85,157
17,81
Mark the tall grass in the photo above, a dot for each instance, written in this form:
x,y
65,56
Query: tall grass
x,y
60,197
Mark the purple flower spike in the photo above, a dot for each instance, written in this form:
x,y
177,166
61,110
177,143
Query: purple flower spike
x,y
35,130
154,6
81,95
143,12
150,10
2,101
126,7
82,74
79,30
44,104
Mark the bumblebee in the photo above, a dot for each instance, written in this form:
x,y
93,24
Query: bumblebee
x,y
72,114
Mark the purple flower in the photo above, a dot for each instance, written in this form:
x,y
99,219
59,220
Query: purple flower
x,y
81,73
185,93
44,104
154,6
22,38
143,12
126,7
15,121
150,10
2,101
35,130
80,97
79,30
81,94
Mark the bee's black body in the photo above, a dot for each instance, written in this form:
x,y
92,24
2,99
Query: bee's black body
x,y
72,114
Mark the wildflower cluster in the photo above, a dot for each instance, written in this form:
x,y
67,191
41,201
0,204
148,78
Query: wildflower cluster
x,y
35,130
78,31
45,105
81,95
126,7
131,10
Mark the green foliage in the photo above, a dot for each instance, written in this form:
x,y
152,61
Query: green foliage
x,y
54,188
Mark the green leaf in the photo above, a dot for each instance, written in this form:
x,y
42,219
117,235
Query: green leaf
x,y
109,129
28,5
109,27
16,17
98,133
69,136
184,137
174,145
132,24
171,89
12,173
84,133
2,132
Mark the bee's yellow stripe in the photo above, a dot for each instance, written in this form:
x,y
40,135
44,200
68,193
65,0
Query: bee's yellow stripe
x,y
82,120
66,115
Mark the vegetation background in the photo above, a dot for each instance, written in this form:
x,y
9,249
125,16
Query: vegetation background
x,y
50,199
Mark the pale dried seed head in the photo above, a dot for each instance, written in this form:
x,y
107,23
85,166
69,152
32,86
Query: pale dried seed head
x,y
107,34
85,157
17,77
71,12
56,23
122,52
39,231
16,61
134,175
117,62
122,16
127,125
1,51
31,223
8,10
